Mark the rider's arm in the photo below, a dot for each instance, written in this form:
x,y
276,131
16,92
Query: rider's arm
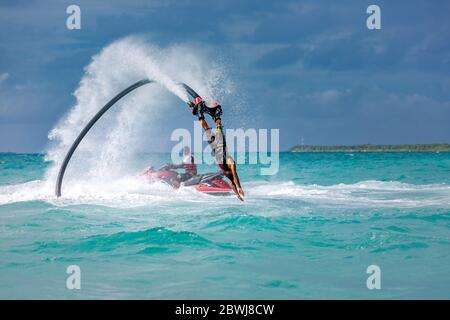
x,y
204,124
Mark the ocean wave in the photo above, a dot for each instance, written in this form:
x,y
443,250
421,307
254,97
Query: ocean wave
x,y
157,240
133,192
364,193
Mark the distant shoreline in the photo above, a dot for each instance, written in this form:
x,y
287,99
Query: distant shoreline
x,y
437,147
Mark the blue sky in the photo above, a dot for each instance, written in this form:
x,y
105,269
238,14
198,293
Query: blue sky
x,y
310,68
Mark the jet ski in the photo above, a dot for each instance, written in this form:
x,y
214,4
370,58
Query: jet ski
x,y
208,183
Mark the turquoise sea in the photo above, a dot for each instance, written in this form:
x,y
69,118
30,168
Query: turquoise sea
x,y
308,232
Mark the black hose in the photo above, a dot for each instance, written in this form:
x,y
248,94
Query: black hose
x,y
91,123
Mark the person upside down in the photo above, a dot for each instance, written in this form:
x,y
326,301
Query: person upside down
x,y
217,142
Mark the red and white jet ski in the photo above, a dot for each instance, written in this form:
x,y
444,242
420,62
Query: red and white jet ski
x,y
209,183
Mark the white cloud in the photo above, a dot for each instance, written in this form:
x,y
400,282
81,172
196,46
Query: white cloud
x,y
4,77
328,96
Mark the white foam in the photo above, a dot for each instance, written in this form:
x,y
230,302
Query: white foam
x,y
131,191
364,193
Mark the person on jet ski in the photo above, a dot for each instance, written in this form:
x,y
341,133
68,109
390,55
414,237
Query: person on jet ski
x,y
189,165
217,141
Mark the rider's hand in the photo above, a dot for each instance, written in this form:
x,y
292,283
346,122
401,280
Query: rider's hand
x,y
194,108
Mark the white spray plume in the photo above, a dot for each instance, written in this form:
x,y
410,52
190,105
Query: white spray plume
x,y
104,153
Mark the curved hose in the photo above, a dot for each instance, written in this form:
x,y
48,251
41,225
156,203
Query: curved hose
x,y
97,116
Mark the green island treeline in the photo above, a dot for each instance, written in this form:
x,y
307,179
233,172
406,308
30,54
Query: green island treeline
x,y
437,147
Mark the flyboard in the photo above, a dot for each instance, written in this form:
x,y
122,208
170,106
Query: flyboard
x,y
97,116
